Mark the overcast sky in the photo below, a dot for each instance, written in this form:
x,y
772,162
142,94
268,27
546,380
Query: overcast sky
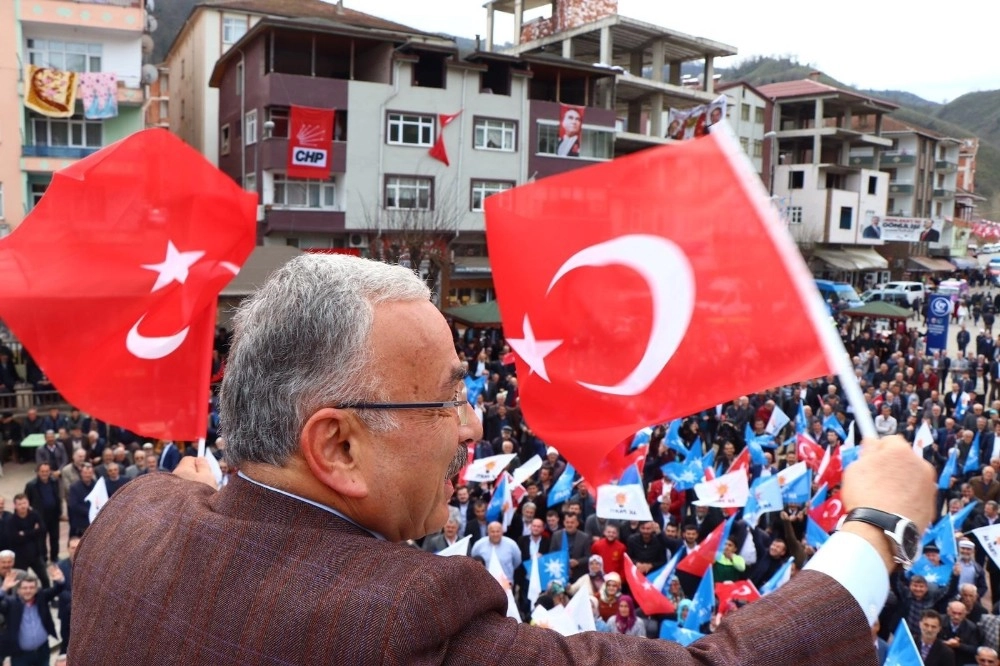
x,y
877,44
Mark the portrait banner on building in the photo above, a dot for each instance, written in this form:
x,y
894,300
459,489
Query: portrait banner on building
x,y
690,123
570,130
911,229
310,138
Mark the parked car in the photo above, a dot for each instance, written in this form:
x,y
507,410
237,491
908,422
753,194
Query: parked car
x,y
838,295
876,295
913,291
955,288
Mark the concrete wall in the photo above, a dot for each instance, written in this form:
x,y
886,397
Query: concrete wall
x,y
11,118
194,106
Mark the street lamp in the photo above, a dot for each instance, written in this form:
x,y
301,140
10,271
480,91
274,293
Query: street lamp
x,y
773,137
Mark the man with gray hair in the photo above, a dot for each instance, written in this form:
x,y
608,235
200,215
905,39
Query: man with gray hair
x,y
343,407
986,656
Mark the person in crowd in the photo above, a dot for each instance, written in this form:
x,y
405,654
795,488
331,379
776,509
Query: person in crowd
x,y
448,537
593,580
44,494
933,651
29,620
578,543
625,621
26,536
503,548
77,505
65,566
729,565
608,596
611,550
52,452
959,634
138,466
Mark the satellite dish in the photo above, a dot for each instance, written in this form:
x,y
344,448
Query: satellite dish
x,y
151,23
150,74
147,45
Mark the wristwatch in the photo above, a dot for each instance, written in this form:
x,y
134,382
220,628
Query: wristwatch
x,y
902,533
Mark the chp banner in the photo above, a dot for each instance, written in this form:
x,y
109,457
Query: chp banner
x,y
690,123
912,229
938,312
310,138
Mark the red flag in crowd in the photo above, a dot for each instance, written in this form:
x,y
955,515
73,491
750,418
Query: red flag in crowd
x,y
699,559
650,599
111,281
741,461
661,302
830,468
828,514
808,451
310,137
438,150
732,590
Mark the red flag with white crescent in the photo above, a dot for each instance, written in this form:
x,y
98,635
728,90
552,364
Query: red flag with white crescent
x,y
673,251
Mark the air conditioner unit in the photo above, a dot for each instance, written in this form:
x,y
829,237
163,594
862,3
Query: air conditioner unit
x,y
357,241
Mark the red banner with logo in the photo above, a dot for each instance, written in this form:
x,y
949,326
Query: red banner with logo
x,y
310,139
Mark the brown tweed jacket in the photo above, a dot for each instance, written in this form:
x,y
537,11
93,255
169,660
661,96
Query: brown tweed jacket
x,y
174,573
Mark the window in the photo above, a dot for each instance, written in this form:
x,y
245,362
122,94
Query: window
x,y
758,115
411,130
278,116
872,184
233,27
37,191
408,192
224,140
484,188
744,112
491,134
758,148
796,180
70,133
846,217
304,193
71,56
250,184
251,127
745,145
594,143
795,215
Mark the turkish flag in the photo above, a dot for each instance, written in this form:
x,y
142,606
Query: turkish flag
x,y
741,461
438,150
310,142
828,514
809,451
732,590
650,599
831,468
111,281
698,560
660,303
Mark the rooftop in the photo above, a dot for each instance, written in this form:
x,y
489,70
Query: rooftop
x,y
802,88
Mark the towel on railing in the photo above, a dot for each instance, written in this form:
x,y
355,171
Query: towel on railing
x,y
99,94
50,92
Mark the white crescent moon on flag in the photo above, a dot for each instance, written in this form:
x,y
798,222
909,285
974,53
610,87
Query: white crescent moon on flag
x,y
152,348
670,278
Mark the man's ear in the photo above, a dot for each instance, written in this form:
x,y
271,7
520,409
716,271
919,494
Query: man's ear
x,y
326,444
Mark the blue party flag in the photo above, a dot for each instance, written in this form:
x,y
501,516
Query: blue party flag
x,y
798,490
958,519
553,567
671,631
848,455
684,475
702,603
903,650
753,444
562,488
939,575
949,469
800,419
815,535
474,386
831,423
630,476
708,459
697,448
819,497
972,458
641,437
495,509
765,496
673,439
780,577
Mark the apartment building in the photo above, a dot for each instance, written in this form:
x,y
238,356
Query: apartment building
x,y
750,113
70,83
828,177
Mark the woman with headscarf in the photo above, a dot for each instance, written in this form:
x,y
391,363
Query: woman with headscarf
x,y
607,597
625,621
594,577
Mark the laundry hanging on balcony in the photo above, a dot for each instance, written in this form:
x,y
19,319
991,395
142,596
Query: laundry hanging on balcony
x,y
99,93
50,92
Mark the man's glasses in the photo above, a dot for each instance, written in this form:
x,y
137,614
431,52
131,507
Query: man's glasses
x,y
460,405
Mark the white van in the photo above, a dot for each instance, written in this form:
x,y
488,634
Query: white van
x,y
914,291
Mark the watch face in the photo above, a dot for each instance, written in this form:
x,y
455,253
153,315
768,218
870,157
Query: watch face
x,y
911,541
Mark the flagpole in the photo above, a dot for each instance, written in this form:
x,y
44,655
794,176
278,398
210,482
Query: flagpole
x,y
816,311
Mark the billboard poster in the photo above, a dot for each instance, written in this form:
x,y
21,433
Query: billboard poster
x,y
694,122
310,133
912,229
570,129
938,312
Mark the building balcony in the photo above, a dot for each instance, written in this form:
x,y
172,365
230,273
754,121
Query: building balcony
x,y
942,193
126,15
280,89
945,166
900,188
300,221
60,152
862,161
891,159
274,155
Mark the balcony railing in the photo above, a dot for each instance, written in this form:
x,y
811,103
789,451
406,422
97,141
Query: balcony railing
x,y
945,165
64,152
900,188
862,160
942,193
891,158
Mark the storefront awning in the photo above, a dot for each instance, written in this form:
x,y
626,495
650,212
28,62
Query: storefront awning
x,y
964,263
853,259
931,264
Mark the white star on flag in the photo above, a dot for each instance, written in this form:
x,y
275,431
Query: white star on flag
x,y
174,268
931,577
532,351
554,569
686,476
